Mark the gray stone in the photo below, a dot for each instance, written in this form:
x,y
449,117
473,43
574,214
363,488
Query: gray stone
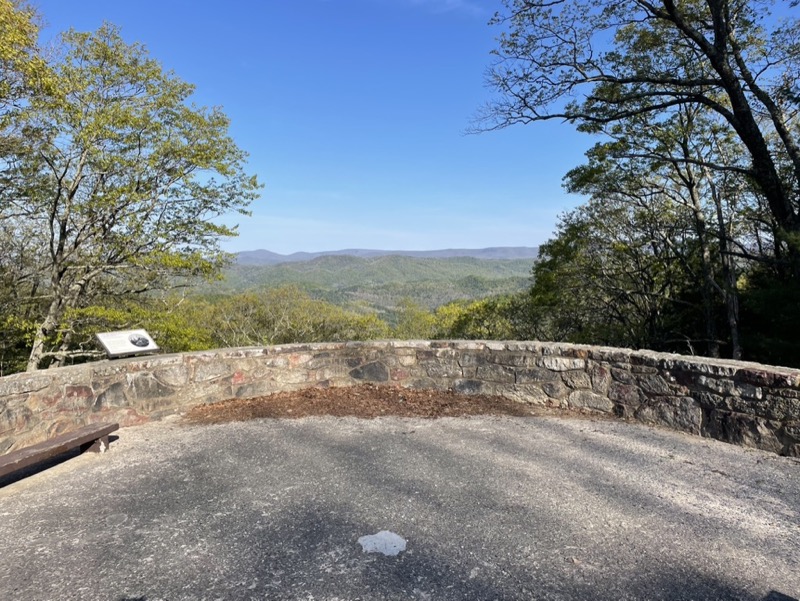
x,y
601,379
654,384
563,363
623,375
528,393
577,379
371,372
625,393
175,376
445,369
112,396
585,399
468,386
720,386
147,386
529,376
21,384
205,372
679,413
495,373
555,389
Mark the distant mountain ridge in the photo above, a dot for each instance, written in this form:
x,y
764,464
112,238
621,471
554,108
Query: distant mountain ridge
x,y
266,257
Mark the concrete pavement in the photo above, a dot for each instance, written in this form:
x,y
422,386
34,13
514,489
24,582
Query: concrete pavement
x,y
490,507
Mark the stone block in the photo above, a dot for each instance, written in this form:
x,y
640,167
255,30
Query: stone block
x,y
623,375
444,369
111,396
407,360
555,389
174,375
143,386
744,430
16,418
513,359
563,363
424,384
469,387
719,385
473,360
286,377
20,384
626,394
530,394
654,384
585,399
577,379
535,374
253,390
371,372
495,373
321,360
78,398
205,372
601,379
679,413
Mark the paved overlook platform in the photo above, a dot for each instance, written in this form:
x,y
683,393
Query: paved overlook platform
x,y
490,508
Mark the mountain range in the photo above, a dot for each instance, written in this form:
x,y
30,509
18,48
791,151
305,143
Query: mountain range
x,y
266,257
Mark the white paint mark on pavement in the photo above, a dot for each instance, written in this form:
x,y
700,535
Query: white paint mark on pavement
x,y
384,542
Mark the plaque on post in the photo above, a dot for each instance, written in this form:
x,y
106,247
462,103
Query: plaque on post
x,y
126,343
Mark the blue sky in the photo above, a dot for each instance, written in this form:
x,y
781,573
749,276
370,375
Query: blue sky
x,y
353,113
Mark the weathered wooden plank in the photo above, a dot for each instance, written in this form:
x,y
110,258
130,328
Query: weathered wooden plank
x,y
91,437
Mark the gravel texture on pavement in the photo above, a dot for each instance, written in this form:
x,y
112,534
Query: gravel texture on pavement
x,y
533,508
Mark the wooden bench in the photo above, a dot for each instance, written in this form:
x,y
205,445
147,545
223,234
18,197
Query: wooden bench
x,y
93,437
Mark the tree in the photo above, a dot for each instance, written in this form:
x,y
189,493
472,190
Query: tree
x,y
285,315
21,67
594,63
659,169
121,177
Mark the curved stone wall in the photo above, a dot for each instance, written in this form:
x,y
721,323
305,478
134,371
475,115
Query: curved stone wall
x,y
742,403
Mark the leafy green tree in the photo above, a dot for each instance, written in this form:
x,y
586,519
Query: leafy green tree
x,y
122,179
493,318
414,322
21,68
177,324
609,278
594,63
658,170
285,315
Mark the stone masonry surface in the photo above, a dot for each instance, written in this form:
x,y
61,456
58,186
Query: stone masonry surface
x,y
742,403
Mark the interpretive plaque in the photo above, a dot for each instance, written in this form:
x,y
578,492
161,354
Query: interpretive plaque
x,y
127,342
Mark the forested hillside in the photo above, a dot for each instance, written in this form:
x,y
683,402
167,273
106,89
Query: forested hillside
x,y
382,282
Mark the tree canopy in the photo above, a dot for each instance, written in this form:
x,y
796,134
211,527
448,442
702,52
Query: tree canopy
x,y
114,188
597,64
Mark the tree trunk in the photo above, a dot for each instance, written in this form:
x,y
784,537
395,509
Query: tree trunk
x,y
42,332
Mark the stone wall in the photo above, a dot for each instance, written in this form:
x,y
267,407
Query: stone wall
x,y
741,403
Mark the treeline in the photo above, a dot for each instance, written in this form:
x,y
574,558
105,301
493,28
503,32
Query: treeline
x,y
690,238
110,183
265,317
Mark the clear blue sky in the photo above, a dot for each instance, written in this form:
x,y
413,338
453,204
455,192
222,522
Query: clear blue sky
x,y
353,113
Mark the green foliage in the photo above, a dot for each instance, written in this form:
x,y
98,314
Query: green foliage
x,y
414,322
381,283
22,70
287,314
16,336
771,321
120,179
178,325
